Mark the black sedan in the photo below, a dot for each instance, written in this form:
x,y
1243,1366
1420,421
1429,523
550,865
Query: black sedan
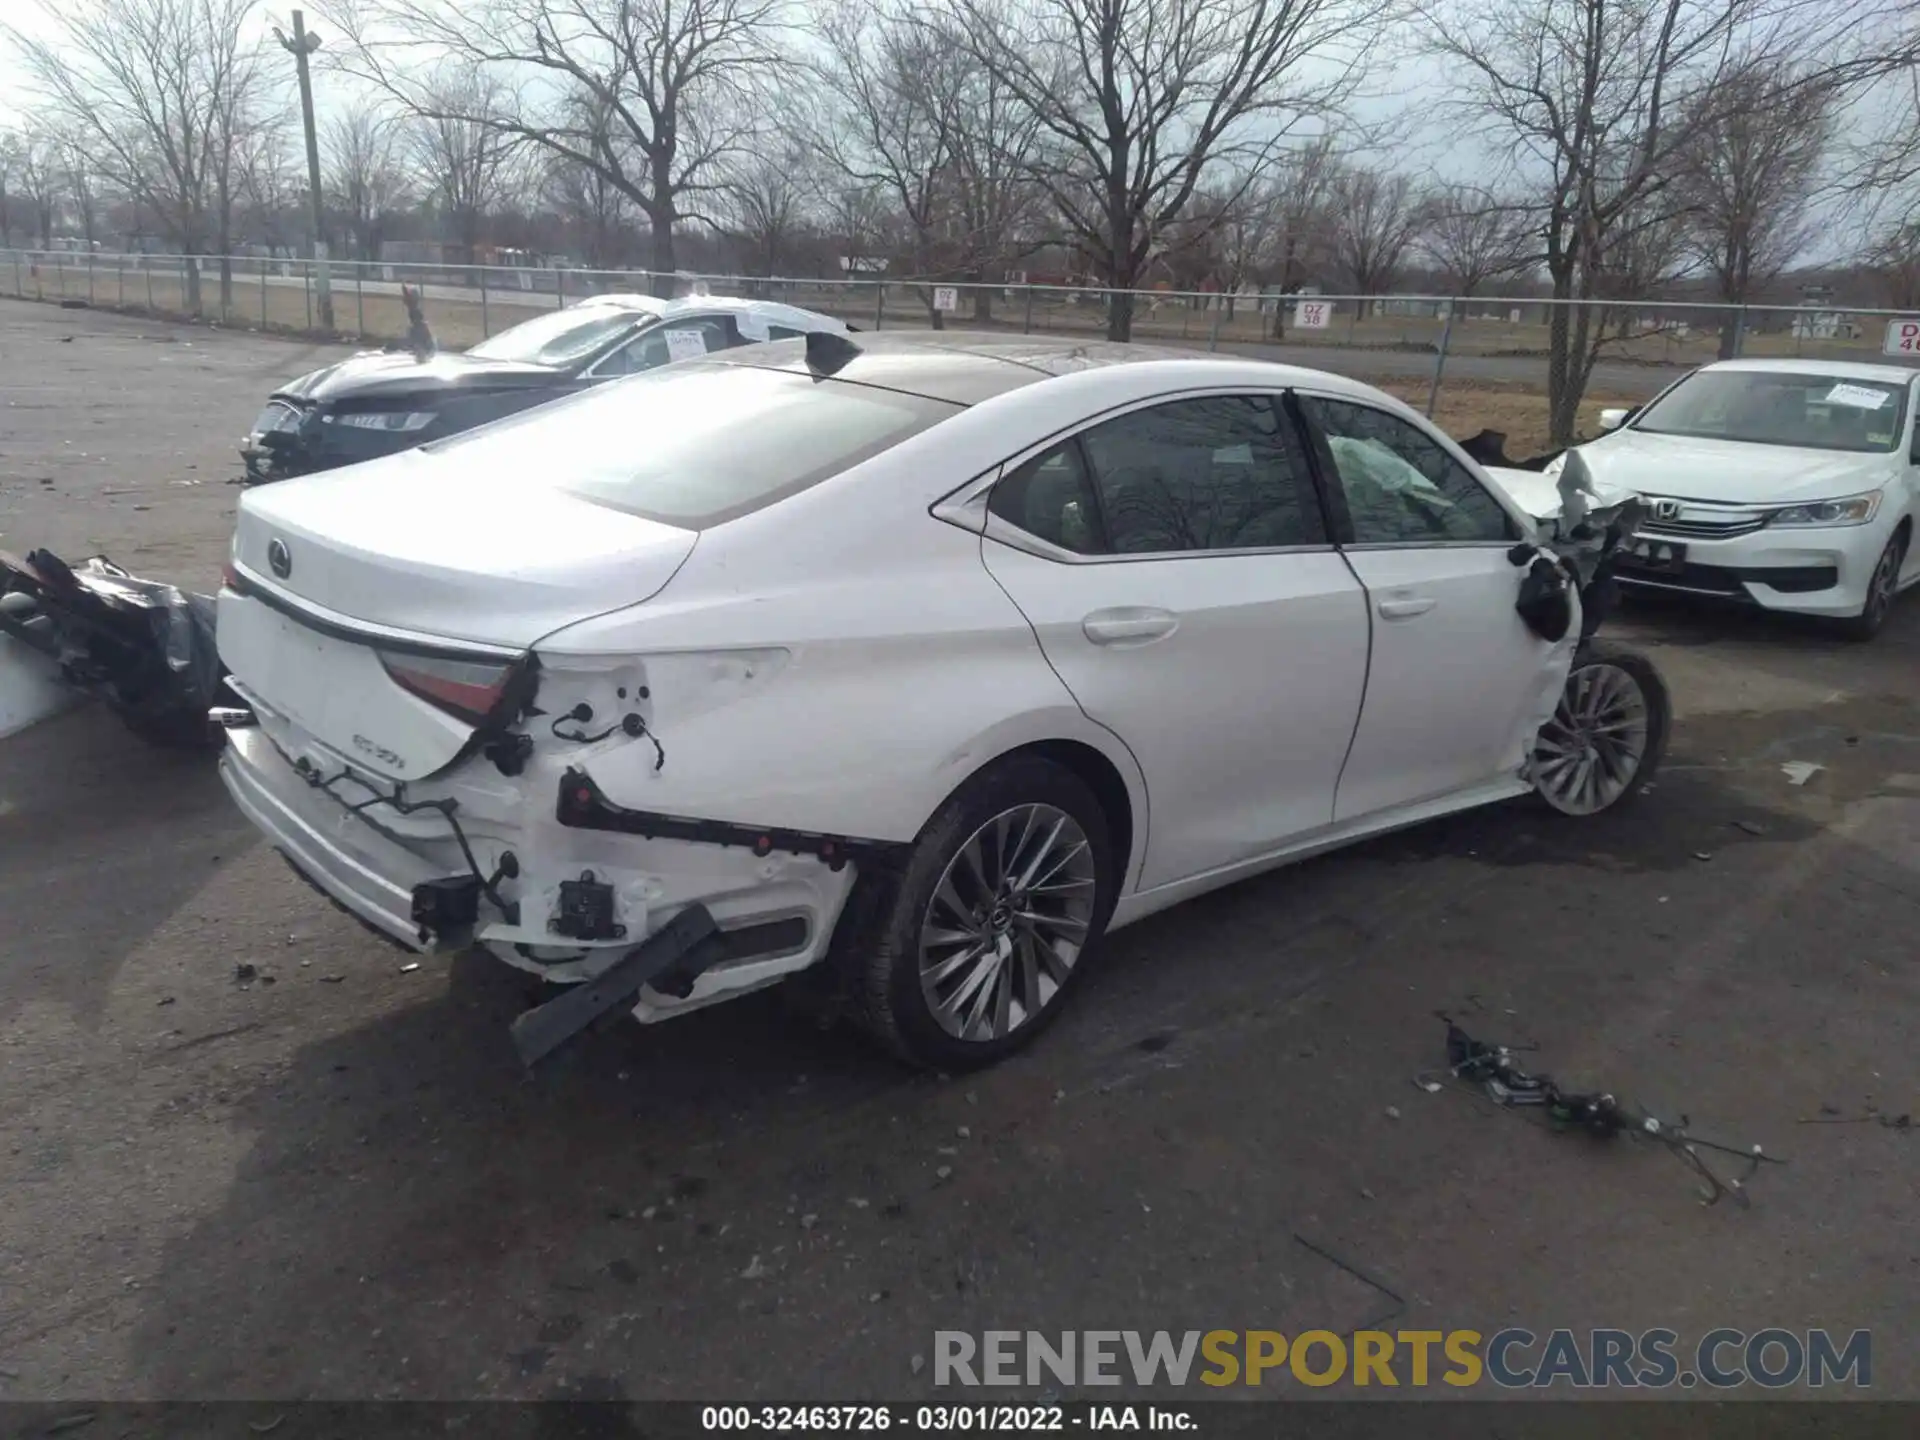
x,y
375,403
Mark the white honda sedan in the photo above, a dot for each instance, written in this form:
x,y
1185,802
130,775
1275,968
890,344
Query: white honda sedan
x,y
1787,484
927,661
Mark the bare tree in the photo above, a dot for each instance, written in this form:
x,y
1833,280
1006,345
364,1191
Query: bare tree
x,y
161,90
361,154
995,144
463,153
890,126
1472,236
1303,186
9,159
32,161
673,85
1747,181
1893,258
80,179
1137,99
273,179
767,204
1597,99
1375,218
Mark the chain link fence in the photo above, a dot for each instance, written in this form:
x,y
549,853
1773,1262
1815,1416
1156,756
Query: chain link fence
x,y
1437,352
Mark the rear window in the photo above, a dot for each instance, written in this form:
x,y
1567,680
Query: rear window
x,y
700,444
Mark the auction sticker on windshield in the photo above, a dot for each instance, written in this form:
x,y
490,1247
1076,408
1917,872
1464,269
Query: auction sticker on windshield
x,y
1857,397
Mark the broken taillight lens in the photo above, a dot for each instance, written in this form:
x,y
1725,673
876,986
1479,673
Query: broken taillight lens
x,y
471,689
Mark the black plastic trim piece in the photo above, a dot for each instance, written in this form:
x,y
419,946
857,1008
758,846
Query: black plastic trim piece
x,y
686,944
582,806
243,584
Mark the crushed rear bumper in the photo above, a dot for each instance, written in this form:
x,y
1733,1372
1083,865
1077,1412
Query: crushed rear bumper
x,y
367,874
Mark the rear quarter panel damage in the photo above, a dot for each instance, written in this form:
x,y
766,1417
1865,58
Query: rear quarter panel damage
x,y
848,705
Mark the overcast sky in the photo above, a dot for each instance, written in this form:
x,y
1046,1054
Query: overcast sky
x,y
1407,97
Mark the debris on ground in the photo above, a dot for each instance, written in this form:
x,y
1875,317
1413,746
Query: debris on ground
x,y
245,973
1798,772
1597,1112
1872,1115
145,648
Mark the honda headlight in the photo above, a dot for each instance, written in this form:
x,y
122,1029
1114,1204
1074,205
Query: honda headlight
x,y
398,421
1854,510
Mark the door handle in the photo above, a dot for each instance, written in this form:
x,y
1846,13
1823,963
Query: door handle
x,y
1407,608
1129,625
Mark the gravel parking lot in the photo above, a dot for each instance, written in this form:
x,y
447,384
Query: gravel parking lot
x,y
334,1181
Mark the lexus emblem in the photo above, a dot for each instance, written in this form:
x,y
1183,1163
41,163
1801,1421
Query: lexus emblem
x,y
281,562
1662,510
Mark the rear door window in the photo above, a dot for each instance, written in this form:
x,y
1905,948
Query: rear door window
x,y
700,444
1219,472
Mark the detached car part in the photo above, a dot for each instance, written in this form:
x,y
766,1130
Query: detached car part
x,y
144,648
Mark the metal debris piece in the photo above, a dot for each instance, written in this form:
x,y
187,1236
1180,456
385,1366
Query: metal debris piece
x,y
1798,772
1597,1113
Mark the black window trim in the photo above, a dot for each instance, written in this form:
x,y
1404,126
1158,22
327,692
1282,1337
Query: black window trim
x,y
967,507
1334,495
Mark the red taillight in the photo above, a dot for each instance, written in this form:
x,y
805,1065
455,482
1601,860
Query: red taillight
x,y
470,689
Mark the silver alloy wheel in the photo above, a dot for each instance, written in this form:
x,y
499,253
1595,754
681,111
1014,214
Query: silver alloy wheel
x,y
1007,922
1590,752
1885,581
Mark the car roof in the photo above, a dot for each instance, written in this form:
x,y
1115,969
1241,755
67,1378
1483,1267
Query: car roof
x,y
620,300
965,368
1842,369
772,311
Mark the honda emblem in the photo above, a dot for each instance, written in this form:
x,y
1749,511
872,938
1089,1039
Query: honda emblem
x,y
1666,509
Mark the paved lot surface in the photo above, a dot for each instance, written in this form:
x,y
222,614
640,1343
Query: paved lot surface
x,y
335,1182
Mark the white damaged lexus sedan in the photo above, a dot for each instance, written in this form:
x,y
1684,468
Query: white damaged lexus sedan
x,y
1786,484
924,661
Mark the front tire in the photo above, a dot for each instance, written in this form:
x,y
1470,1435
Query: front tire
x,y
1607,735
970,951
1881,589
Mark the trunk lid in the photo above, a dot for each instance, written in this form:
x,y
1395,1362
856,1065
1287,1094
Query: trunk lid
x,y
443,546
469,566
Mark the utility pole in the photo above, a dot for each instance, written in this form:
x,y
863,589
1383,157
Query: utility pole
x,y
301,45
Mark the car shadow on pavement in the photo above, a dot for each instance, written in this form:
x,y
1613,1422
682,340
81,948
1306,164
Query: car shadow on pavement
x,y
102,838
416,1216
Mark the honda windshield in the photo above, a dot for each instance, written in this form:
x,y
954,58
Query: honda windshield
x,y
1773,407
562,338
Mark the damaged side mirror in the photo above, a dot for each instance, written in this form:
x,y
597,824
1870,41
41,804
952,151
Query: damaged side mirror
x,y
1614,416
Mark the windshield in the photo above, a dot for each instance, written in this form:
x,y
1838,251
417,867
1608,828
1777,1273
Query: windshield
x,y
561,338
720,440
1769,407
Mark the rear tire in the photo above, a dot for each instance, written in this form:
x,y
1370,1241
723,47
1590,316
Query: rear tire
x,y
1881,589
1608,734
969,951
